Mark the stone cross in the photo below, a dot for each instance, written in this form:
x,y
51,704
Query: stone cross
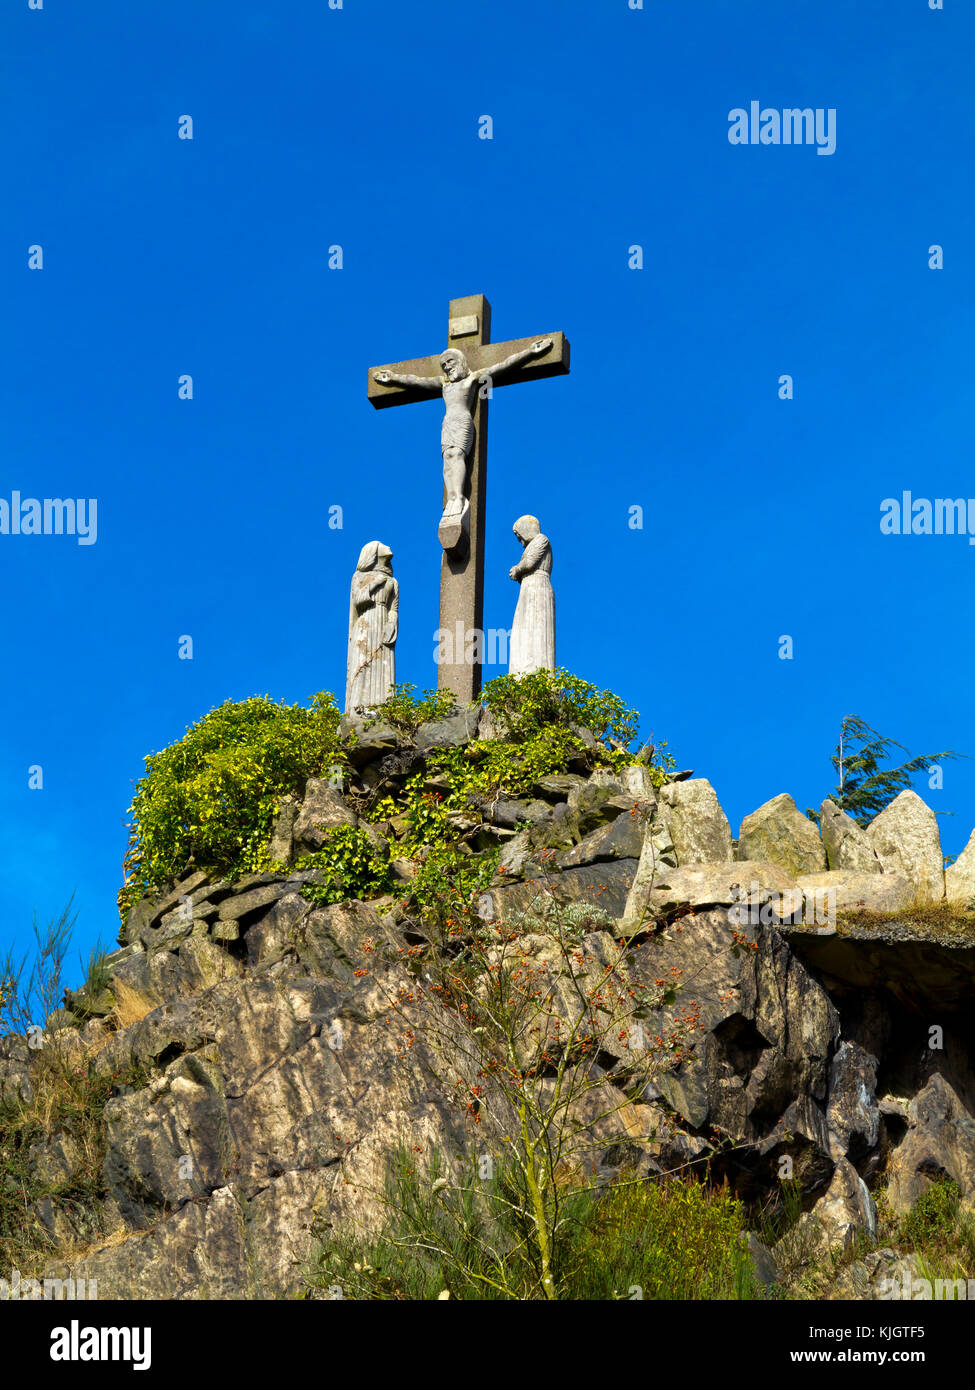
x,y
470,360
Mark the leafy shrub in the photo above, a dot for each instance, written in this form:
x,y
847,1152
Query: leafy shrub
x,y
212,797
463,1236
521,706
350,867
933,1216
669,1240
406,710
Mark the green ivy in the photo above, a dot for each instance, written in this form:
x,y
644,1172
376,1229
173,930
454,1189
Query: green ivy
x,y
448,875
349,865
212,797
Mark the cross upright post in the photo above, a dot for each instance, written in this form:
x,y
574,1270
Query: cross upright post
x,y
464,375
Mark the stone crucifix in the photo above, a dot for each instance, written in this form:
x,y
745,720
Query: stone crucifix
x,y
464,375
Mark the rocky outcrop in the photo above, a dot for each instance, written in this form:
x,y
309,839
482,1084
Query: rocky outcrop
x,y
698,827
846,1210
907,841
323,808
939,1144
928,969
846,845
267,1081
778,833
856,891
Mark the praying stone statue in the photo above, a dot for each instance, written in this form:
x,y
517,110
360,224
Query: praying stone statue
x,y
533,632
458,384
373,625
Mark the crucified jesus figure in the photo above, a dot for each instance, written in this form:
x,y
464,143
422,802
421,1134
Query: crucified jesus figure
x,y
458,385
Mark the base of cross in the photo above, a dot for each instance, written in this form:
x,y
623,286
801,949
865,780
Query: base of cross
x,y
454,531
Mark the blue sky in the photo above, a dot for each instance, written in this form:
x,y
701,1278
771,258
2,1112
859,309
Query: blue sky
x,y
358,127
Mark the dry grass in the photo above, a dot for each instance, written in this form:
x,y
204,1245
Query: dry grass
x,y
950,923
131,1005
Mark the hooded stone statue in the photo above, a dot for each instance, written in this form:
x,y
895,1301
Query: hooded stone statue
x,y
533,631
373,625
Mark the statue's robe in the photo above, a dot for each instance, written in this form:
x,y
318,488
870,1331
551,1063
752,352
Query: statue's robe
x,y
533,632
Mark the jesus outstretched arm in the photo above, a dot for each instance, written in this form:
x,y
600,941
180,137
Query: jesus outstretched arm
x,y
425,383
537,349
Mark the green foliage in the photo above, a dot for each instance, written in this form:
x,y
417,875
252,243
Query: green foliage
x,y
521,706
350,867
447,883
448,875
211,798
540,722
658,760
28,995
672,1240
98,972
933,1217
512,765
464,1235
866,787
406,710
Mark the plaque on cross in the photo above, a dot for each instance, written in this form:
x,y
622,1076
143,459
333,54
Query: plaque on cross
x,y
464,376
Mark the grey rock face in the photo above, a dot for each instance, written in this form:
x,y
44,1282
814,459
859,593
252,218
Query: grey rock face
x,y
745,885
270,1068
636,780
881,1274
855,891
595,885
778,833
759,1070
846,845
698,827
763,1264
557,786
365,740
847,1209
960,876
148,912
455,731
852,1112
513,813
907,841
282,837
940,1143
621,839
323,809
